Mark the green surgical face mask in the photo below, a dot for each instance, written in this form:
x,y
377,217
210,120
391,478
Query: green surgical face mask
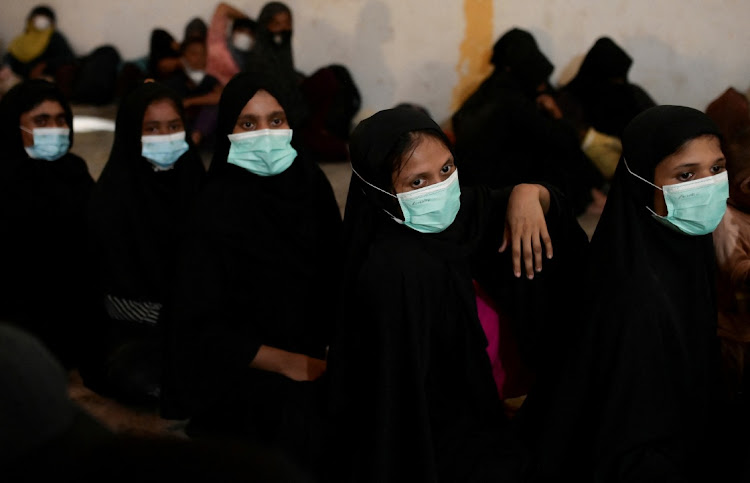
x,y
266,152
431,209
694,207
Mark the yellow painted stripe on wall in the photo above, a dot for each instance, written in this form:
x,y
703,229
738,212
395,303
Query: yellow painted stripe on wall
x,y
475,50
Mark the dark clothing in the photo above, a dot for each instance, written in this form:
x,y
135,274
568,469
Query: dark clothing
x,y
57,54
503,138
45,265
273,50
636,400
198,118
137,217
258,267
162,45
601,94
412,396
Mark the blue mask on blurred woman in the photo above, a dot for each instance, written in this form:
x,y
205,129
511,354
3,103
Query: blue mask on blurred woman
x,y
50,143
163,150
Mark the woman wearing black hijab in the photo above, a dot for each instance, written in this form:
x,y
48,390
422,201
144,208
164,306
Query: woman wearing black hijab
x,y
44,191
638,398
258,282
273,43
412,396
600,95
136,217
509,130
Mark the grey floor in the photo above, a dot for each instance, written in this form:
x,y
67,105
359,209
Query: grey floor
x,y
94,146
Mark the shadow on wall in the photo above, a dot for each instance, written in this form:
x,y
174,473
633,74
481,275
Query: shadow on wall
x,y
668,79
374,28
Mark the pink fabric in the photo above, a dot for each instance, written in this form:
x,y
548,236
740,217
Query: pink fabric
x,y
490,321
219,60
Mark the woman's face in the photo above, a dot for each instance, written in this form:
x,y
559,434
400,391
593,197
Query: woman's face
x,y
699,158
262,111
430,162
47,114
161,117
280,22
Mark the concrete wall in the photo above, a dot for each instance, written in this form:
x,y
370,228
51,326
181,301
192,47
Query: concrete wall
x,y
434,52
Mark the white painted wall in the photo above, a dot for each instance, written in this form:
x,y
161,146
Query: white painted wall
x,y
685,51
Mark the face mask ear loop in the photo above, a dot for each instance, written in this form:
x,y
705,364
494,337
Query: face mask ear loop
x,y
647,181
381,190
26,129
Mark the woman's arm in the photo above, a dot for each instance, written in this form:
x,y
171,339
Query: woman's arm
x,y
526,227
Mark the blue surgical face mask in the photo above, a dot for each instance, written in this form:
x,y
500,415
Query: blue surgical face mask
x,y
163,150
50,143
694,207
266,152
431,209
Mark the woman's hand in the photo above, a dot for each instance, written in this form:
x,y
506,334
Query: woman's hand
x,y
297,367
526,229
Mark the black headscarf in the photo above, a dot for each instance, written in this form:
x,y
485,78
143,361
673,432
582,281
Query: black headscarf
x,y
517,52
601,87
371,146
161,46
137,213
273,50
637,395
42,227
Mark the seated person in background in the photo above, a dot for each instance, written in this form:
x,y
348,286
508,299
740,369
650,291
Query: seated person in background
x,y
163,55
200,91
511,131
732,244
41,51
273,43
600,95
730,111
230,37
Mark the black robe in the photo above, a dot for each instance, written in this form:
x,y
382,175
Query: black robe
x,y
46,276
136,218
412,397
637,399
258,267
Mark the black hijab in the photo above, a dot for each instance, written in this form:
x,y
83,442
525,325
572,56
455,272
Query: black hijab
x,y
517,53
273,50
637,394
371,149
136,211
601,87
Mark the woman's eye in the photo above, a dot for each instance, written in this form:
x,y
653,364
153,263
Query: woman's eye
x,y
277,122
717,169
684,176
446,169
417,183
247,125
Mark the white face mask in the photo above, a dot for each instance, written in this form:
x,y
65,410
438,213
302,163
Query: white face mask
x,y
242,41
194,74
41,22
